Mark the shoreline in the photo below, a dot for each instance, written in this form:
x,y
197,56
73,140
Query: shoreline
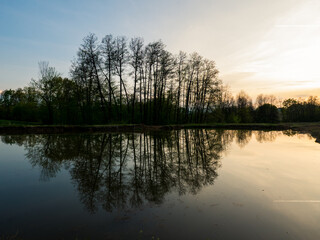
x,y
310,128
43,129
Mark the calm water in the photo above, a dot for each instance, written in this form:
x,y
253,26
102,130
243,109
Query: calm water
x,y
188,184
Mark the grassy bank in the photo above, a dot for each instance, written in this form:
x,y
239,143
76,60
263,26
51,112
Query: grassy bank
x,y
9,127
16,123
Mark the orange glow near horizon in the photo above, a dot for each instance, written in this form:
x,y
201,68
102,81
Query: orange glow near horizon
x,y
285,62
261,47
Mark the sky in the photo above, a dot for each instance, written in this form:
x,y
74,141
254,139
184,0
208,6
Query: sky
x,y
259,46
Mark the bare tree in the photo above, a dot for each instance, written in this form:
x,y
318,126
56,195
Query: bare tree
x,y
192,74
181,74
109,53
46,86
243,100
136,61
121,59
163,86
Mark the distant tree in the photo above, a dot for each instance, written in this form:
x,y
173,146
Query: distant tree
x,y
245,109
264,99
46,87
312,112
292,110
261,100
243,100
7,102
289,102
267,113
227,105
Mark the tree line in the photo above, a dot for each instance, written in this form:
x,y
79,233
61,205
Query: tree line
x,y
117,80
266,109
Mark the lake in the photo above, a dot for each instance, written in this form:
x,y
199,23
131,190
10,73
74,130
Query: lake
x,y
186,184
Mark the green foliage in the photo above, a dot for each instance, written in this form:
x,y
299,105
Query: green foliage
x,y
19,105
245,114
301,111
267,113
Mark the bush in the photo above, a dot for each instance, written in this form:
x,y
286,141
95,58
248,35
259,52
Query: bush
x,y
267,113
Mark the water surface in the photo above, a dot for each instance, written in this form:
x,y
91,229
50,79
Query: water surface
x,y
187,184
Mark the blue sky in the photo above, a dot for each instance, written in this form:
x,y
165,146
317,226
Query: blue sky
x,y
253,42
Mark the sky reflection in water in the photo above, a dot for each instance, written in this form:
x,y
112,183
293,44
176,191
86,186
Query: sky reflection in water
x,y
187,184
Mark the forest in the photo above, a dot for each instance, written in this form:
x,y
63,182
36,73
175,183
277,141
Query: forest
x,y
119,80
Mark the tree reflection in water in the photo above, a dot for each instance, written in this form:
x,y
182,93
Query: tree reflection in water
x,y
124,170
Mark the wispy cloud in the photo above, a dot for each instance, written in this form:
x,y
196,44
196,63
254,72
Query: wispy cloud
x,y
266,45
298,26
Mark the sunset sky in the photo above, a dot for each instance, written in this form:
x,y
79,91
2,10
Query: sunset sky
x,y
259,46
